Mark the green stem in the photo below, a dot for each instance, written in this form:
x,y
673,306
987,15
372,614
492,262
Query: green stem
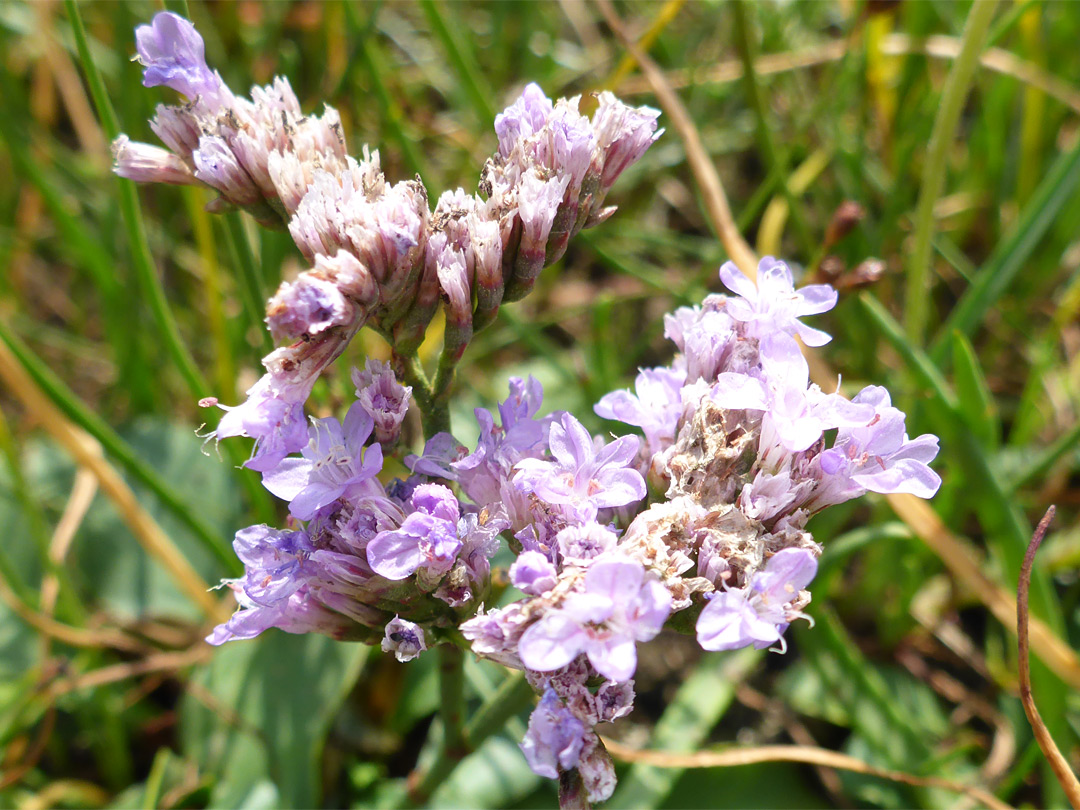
x,y
444,377
252,288
513,695
435,415
145,271
917,304
452,695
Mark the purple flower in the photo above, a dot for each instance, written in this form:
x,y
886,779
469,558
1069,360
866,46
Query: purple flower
x,y
773,305
306,307
483,472
275,588
383,397
769,496
479,536
759,614
217,165
655,406
582,543
623,134
496,634
705,335
533,573
440,452
172,53
796,414
555,737
538,203
427,539
298,613
620,604
273,562
877,456
273,418
144,163
580,477
523,118
334,463
273,414
404,639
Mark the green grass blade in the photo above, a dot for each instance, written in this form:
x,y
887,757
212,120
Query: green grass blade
x,y
145,270
1007,529
1041,465
976,403
921,365
1013,251
458,49
935,170
371,58
251,283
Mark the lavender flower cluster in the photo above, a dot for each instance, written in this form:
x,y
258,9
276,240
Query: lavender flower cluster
x,y
705,513
379,256
734,438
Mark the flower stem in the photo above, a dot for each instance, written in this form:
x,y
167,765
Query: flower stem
x,y
452,696
572,794
513,695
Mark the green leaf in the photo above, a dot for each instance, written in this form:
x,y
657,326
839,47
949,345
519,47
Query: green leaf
x,y
274,699
496,775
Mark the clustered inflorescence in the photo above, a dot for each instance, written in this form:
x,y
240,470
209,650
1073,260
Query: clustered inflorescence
x,y
705,515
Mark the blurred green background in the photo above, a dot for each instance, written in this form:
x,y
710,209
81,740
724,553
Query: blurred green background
x,y
118,313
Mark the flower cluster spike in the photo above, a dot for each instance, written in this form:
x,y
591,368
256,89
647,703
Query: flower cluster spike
x,y
740,444
379,256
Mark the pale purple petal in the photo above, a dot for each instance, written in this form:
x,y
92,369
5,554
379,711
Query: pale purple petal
x,y
614,657
902,476
394,555
618,579
288,478
729,623
551,643
314,497
787,572
734,279
533,573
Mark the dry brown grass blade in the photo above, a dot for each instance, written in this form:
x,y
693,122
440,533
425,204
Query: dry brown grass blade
x,y
78,504
14,772
67,792
88,454
712,190
795,753
159,662
668,12
1046,742
75,636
